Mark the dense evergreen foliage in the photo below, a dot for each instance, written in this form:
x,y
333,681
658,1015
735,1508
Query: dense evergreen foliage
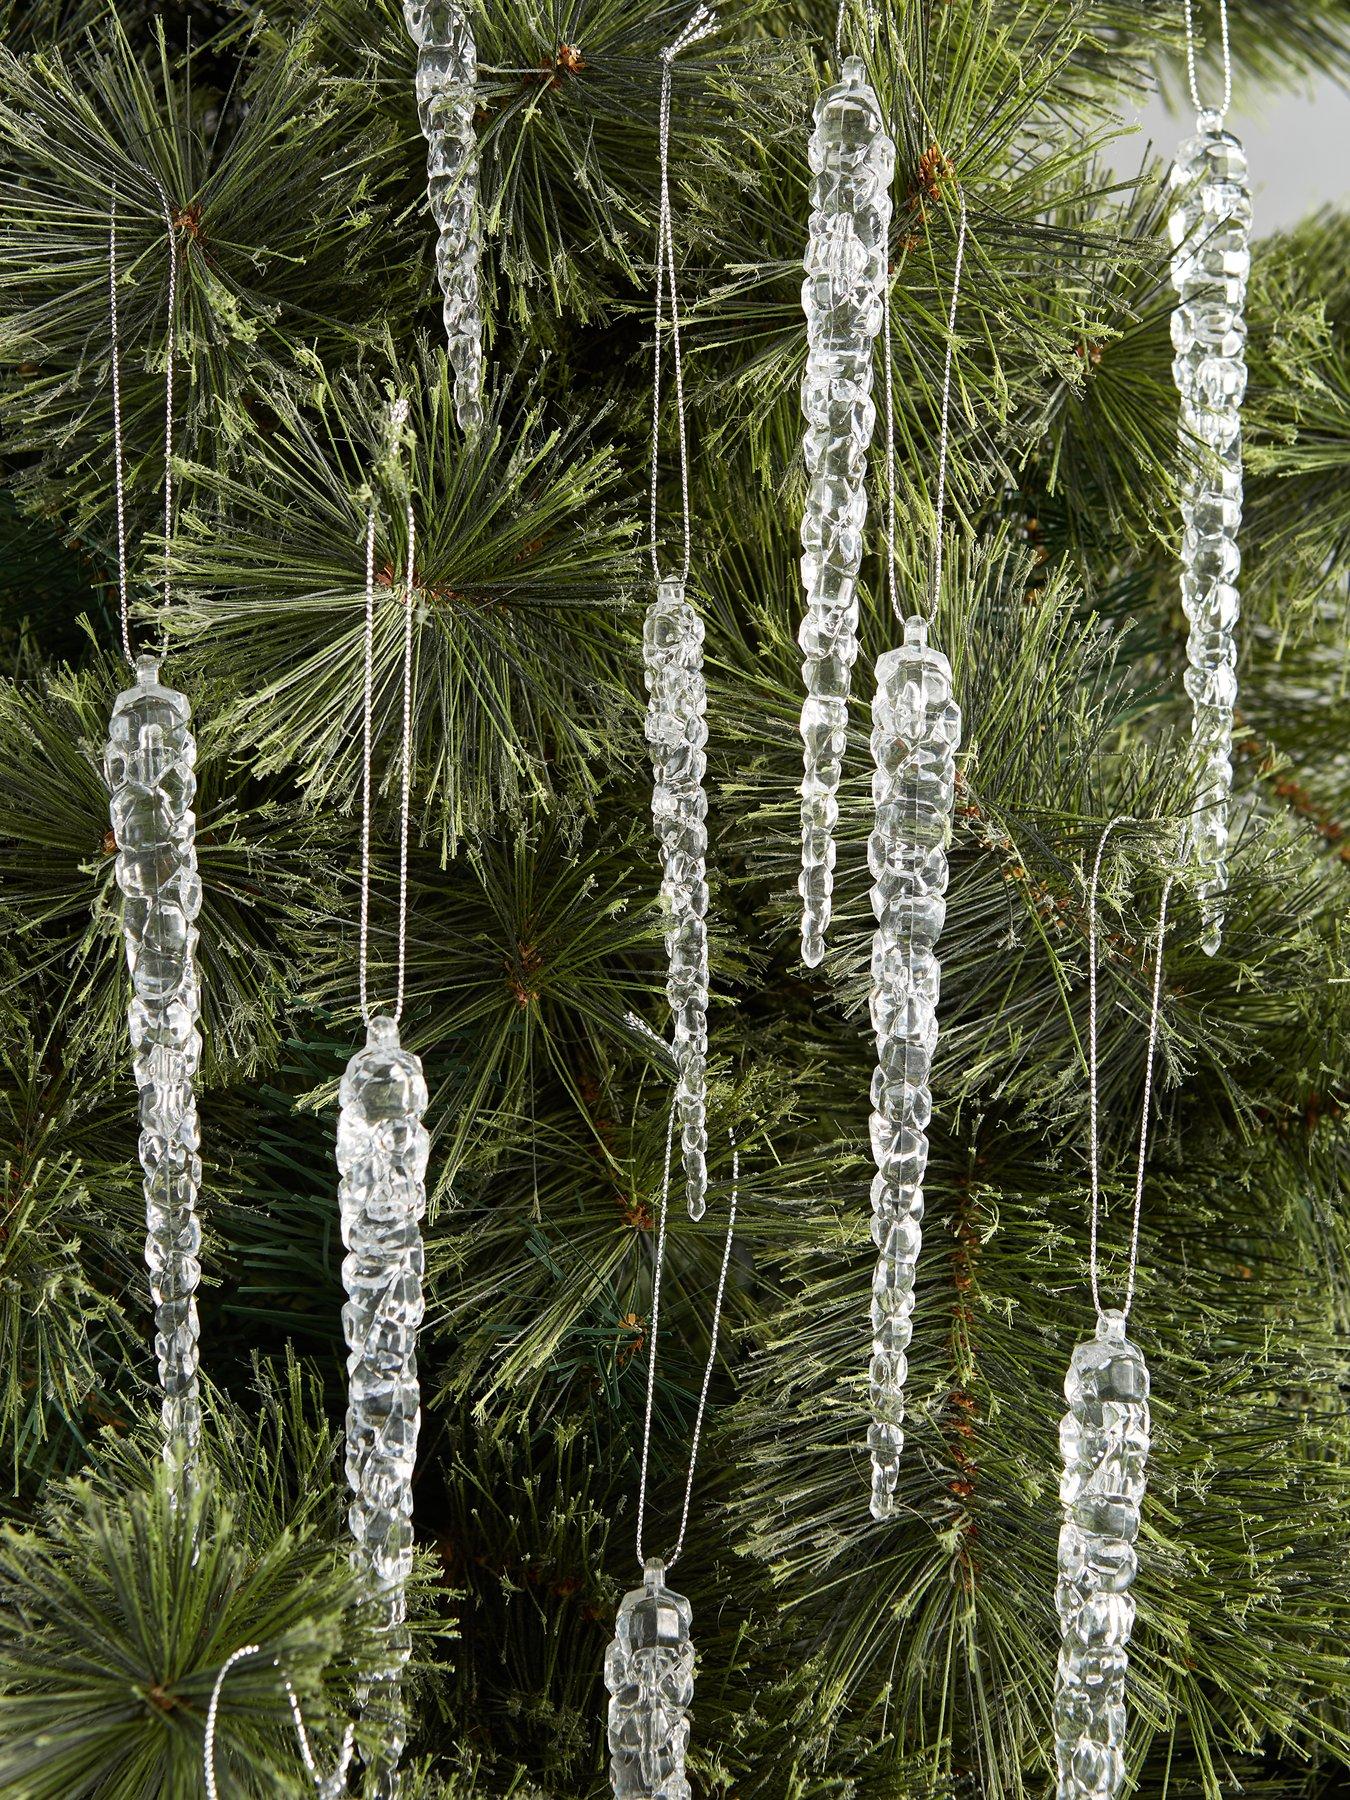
x,y
839,1660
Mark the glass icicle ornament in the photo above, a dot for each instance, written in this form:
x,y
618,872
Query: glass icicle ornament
x,y
447,84
1210,225
677,731
916,731
1104,1438
382,1159
649,1671
149,762
852,162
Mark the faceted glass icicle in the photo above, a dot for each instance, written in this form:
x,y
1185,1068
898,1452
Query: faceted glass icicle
x,y
149,762
447,83
382,1161
1104,1439
677,733
852,162
916,731
649,1671
1210,227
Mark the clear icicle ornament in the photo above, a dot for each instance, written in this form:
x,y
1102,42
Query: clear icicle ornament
x,y
852,162
149,762
1104,1438
1210,227
677,733
382,1159
916,731
649,1671
447,84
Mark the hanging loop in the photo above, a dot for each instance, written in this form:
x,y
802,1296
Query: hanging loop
x,y
398,418
1094,1164
1227,60
700,25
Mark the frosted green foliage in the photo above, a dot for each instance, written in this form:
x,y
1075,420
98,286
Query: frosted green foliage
x,y
1104,1439
916,729
382,1159
852,162
677,733
149,762
649,1671
447,81
1211,227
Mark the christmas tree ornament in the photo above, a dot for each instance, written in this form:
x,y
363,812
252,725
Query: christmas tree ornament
x,y
676,726
1104,1442
852,159
327,1787
649,1666
916,731
1210,226
149,763
382,1148
447,94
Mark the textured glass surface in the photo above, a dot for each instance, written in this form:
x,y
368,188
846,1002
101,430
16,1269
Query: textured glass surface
x,y
382,1160
852,162
677,732
649,1671
916,729
447,82
1211,226
149,763
1104,1441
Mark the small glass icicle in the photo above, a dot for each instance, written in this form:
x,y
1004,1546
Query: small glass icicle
x,y
916,731
447,90
676,728
149,762
1210,226
1104,1442
382,1148
649,1666
852,159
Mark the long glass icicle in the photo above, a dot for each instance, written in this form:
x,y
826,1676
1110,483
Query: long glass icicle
x,y
149,763
916,732
1210,226
677,729
852,161
447,84
382,1151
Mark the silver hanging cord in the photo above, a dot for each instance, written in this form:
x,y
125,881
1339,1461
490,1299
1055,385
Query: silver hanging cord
x,y
944,430
674,1556
701,24
870,9
400,413
1227,59
1093,1159
327,1786
119,457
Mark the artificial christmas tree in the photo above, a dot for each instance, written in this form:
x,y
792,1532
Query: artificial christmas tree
x,y
838,1658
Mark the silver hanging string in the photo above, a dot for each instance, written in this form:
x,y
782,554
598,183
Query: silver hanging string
x,y
1227,59
870,11
1094,1171
325,1785
119,455
700,25
944,429
675,1554
405,778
